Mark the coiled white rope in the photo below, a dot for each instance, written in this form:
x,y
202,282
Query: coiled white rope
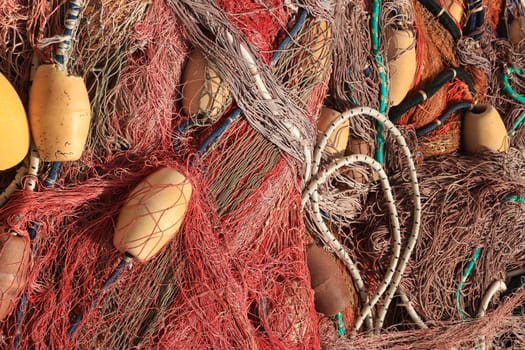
x,y
329,239
397,263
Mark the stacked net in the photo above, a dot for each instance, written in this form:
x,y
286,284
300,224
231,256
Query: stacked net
x,y
236,274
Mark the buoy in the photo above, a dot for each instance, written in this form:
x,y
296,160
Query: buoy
x,y
59,114
14,129
402,64
321,44
205,96
15,254
333,287
455,11
516,31
152,214
338,140
357,146
483,129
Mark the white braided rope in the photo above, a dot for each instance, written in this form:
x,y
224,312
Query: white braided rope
x,y
263,89
32,171
328,237
410,309
11,188
398,263
495,287
71,22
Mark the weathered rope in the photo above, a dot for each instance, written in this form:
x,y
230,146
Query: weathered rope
x,y
510,70
383,93
495,287
466,273
393,276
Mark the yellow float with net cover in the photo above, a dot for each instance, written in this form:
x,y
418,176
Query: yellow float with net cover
x,y
152,214
14,130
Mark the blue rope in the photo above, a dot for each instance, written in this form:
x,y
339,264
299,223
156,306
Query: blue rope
x,y
516,125
517,199
219,131
53,174
110,281
506,83
424,130
297,26
19,317
237,112
22,304
72,7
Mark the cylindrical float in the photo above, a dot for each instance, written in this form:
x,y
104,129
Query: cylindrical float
x,y
152,214
59,114
402,64
14,129
15,258
483,129
455,10
205,96
320,46
516,30
333,287
357,146
339,139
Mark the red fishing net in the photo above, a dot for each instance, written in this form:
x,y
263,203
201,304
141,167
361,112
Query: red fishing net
x,y
235,276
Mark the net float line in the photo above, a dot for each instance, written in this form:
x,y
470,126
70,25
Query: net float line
x,y
71,22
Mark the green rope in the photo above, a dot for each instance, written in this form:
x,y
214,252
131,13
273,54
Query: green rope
x,y
518,199
466,272
506,83
340,324
374,29
516,125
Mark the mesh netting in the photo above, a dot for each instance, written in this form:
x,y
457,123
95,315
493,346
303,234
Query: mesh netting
x,y
235,275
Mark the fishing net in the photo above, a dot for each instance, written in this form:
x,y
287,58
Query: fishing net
x,y
236,275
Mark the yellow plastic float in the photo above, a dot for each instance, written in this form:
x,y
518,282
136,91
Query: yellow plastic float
x,y
152,214
402,64
14,129
483,129
59,114
15,258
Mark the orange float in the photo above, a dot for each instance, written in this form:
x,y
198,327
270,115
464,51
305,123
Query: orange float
x,y
338,140
204,93
14,130
333,287
483,129
152,214
15,258
402,64
59,114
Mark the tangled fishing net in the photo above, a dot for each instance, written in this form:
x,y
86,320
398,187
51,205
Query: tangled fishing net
x,y
428,240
